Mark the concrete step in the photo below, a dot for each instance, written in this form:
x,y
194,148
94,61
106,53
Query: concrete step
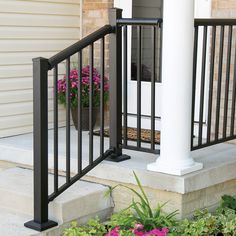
x,y
12,224
81,201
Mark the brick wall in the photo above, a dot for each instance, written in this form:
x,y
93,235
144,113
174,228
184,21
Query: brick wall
x,y
224,8
95,15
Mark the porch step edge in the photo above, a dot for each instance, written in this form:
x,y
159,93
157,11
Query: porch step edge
x,y
81,199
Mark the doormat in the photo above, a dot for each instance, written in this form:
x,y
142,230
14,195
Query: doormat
x,y
132,134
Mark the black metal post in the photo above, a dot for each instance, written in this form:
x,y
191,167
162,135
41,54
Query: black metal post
x,y
115,69
40,91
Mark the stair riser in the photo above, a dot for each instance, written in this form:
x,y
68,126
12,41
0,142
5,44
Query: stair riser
x,y
60,212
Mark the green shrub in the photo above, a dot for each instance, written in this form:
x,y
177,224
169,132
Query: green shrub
x,y
222,222
204,224
93,228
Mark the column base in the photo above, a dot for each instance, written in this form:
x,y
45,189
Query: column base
x,y
164,168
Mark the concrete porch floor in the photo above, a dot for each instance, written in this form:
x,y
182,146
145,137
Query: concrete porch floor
x,y
219,166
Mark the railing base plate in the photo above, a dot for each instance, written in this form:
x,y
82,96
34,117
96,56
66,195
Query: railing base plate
x,y
115,158
40,227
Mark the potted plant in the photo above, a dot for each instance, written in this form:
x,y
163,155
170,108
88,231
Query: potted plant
x,y
85,88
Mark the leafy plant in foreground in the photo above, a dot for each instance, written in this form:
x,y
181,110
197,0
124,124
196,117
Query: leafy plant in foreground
x,y
221,223
142,213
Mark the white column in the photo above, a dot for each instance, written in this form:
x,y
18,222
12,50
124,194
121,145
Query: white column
x,y
177,61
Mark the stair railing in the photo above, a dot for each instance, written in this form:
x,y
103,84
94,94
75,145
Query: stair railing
x,y
41,66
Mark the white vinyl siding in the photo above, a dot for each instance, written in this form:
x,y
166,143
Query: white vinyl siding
x,y
29,29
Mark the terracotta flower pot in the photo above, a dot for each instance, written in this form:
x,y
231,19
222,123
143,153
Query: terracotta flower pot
x,y
85,117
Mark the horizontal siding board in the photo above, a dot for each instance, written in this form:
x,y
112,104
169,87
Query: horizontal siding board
x,y
55,1
11,32
26,119
16,83
16,96
21,83
7,19
15,71
34,45
46,8
20,96
11,109
22,58
24,71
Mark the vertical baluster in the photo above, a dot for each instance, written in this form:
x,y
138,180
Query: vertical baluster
x,y
68,120
55,118
221,53
102,61
202,90
195,55
212,69
91,104
125,89
139,71
227,81
80,63
233,98
153,92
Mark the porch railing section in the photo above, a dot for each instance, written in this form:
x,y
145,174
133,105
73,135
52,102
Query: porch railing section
x,y
213,110
212,39
41,69
153,29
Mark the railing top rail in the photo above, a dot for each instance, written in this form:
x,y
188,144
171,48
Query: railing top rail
x,y
139,21
214,22
91,38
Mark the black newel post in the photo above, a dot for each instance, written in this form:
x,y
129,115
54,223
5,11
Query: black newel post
x,y
115,78
40,93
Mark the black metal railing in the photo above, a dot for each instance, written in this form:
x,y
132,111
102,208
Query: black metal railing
x,y
152,27
209,38
41,68
214,82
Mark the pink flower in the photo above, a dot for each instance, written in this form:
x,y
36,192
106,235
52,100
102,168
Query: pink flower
x,y
158,232
138,226
114,232
74,85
